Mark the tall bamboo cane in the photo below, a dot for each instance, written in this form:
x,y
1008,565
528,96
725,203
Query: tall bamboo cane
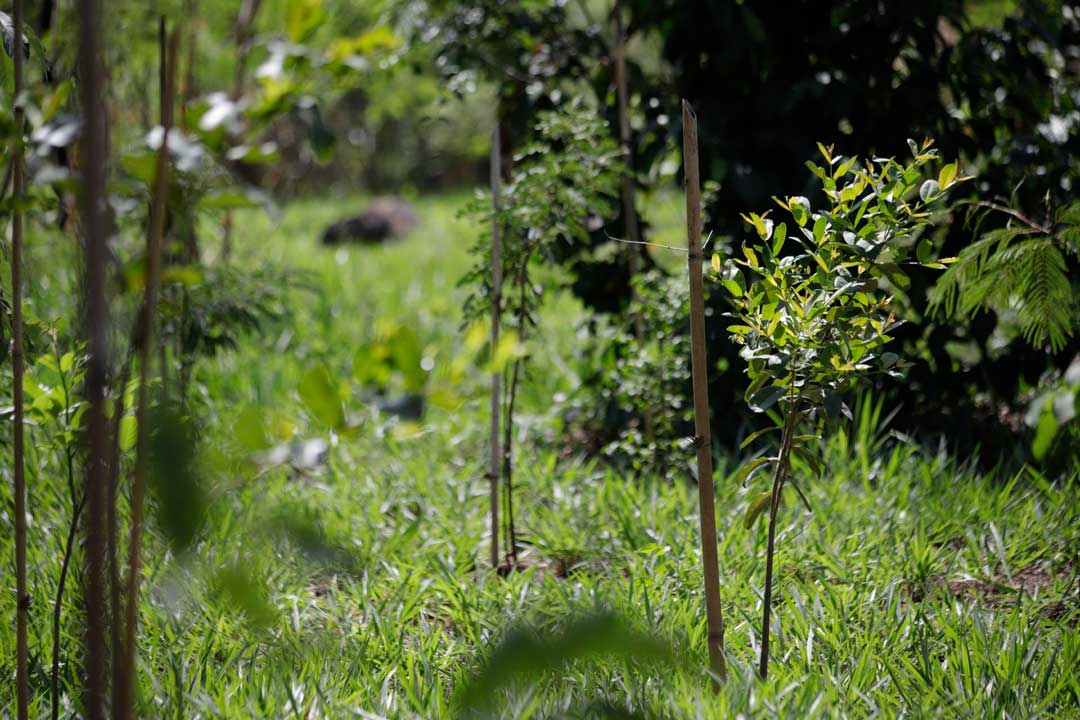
x,y
703,440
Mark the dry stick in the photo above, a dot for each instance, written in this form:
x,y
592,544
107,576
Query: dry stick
x,y
22,597
92,166
496,318
713,614
633,231
779,477
126,675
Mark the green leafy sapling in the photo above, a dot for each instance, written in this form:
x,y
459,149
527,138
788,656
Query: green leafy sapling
x,y
565,179
811,298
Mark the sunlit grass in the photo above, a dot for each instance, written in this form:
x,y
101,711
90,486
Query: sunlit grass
x,y
362,590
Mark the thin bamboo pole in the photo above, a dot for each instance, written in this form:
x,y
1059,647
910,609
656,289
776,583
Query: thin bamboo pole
x,y
699,368
18,361
126,675
494,473
93,155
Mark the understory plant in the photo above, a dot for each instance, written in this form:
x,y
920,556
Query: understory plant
x,y
811,298
562,183
1019,271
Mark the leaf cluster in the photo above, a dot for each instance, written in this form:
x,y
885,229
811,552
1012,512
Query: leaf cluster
x,y
563,182
1020,271
811,294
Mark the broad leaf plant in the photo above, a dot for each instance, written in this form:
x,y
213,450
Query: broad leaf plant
x,y
812,297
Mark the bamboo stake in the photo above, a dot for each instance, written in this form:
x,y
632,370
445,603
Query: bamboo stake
x,y
93,155
18,361
126,674
633,230
494,474
703,440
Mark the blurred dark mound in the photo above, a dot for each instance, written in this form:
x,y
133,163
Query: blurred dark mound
x,y
384,219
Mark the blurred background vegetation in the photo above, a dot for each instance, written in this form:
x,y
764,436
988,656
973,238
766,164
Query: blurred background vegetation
x,y
320,414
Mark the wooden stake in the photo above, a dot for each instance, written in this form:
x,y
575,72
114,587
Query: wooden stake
x,y
18,361
127,673
699,368
494,473
93,154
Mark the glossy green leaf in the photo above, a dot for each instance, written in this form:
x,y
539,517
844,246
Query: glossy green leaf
x,y
758,504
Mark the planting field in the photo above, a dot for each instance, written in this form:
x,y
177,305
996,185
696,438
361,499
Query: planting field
x,y
919,586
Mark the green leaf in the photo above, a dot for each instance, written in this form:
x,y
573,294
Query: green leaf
x,y
250,429
766,397
758,504
320,395
947,175
527,655
779,235
819,228
302,17
924,251
929,190
755,435
800,209
1045,432
752,468
128,433
175,476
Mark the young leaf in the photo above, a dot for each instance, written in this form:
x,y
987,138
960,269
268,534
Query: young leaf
x,y
320,395
758,505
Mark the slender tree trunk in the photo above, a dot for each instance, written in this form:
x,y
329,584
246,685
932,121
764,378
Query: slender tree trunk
x,y
630,219
93,156
127,673
22,597
713,614
496,319
779,477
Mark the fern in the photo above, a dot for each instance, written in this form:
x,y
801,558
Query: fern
x,y
1020,269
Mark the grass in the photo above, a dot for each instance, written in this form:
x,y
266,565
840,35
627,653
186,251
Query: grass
x,y
918,587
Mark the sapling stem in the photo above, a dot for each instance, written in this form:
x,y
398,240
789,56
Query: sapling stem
x,y
699,367
783,461
126,674
494,473
18,360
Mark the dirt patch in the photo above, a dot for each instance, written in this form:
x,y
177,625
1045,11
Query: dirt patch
x,y
1033,581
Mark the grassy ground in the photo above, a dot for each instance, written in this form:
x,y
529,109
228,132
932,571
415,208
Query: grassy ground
x,y
918,587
